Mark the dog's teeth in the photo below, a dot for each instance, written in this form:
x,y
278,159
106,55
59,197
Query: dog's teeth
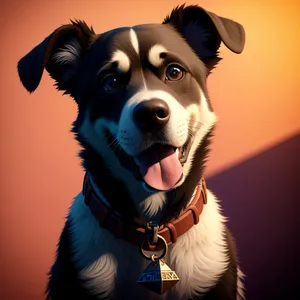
x,y
177,152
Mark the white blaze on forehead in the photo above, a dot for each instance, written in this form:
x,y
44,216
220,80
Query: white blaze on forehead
x,y
122,59
134,41
155,53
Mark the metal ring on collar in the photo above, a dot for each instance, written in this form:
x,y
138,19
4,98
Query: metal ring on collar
x,y
154,256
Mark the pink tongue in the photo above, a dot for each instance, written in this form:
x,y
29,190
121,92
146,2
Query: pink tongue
x,y
160,167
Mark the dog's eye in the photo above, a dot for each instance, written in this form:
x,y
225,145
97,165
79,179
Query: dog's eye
x,y
174,73
112,82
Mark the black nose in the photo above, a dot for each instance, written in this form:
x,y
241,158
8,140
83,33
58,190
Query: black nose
x,y
151,115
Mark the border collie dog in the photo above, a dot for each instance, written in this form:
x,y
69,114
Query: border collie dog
x,y
144,124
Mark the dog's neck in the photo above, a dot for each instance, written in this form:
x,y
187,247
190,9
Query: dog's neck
x,y
115,193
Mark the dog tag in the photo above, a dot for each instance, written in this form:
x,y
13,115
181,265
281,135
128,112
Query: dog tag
x,y
158,277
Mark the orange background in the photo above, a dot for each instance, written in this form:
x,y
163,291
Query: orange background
x,y
255,95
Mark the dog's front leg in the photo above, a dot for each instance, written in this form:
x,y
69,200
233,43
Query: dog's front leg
x,y
64,282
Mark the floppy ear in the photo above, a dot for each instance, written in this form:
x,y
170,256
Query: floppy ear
x,y
204,32
59,54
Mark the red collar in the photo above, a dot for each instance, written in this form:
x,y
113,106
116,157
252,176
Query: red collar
x,y
109,220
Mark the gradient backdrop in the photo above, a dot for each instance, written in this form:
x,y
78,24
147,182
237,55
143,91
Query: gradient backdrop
x,y
254,165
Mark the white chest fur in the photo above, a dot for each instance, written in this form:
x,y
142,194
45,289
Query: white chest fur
x,y
112,266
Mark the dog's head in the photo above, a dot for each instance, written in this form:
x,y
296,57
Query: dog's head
x,y
141,91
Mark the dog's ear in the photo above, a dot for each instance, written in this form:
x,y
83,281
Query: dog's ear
x,y
204,32
59,54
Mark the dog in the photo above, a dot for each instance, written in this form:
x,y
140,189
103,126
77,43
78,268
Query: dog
x,y
145,124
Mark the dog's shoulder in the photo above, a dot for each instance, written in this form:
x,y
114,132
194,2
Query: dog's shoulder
x,y
64,282
213,229
229,286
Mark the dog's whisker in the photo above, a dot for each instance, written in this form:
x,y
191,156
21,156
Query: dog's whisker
x,y
116,147
113,142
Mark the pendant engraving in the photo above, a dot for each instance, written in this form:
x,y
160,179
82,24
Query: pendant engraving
x,y
158,277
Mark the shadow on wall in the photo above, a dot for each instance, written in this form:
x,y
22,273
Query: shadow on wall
x,y
261,197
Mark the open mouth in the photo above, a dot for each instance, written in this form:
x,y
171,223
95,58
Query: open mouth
x,y
159,166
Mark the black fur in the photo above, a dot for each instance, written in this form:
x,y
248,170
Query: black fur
x,y
63,277
195,36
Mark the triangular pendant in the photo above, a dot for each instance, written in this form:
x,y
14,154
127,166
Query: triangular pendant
x,y
158,277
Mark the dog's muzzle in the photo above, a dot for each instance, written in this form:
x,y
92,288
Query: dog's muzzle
x,y
160,165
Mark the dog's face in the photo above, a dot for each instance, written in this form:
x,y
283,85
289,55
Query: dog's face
x,y
145,97
141,91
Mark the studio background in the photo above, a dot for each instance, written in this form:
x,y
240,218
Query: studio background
x,y
254,163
